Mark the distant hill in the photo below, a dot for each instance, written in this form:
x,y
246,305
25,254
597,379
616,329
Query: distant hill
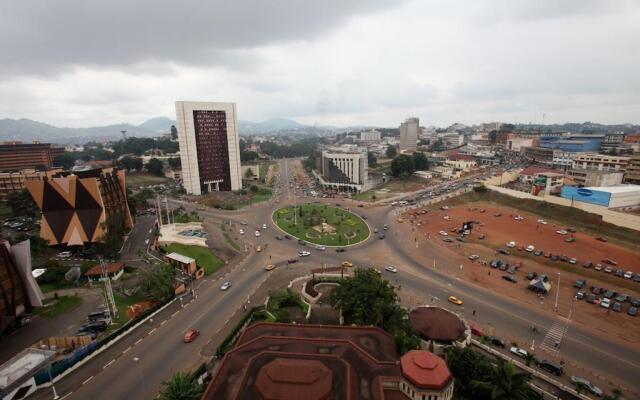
x,y
270,125
158,124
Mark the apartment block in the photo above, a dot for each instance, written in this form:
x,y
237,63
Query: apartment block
x,y
600,162
15,156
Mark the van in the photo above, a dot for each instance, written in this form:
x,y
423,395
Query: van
x,y
551,367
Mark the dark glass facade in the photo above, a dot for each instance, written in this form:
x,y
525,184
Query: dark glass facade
x,y
212,148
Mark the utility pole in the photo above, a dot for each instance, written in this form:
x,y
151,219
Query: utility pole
x,y
111,302
557,292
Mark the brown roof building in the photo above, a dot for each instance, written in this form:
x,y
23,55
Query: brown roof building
x,y
15,156
318,362
76,207
439,328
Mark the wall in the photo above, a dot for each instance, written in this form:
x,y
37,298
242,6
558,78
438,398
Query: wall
x,y
612,217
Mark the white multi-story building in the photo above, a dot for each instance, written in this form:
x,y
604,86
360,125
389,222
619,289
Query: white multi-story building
x,y
370,136
452,140
209,146
409,134
344,168
600,162
562,159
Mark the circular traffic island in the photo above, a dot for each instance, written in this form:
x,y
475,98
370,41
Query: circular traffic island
x,y
322,224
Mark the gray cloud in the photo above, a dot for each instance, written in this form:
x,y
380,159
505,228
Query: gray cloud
x,y
45,36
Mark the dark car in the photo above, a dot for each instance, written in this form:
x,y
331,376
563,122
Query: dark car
x,y
98,315
496,341
591,298
503,251
570,229
596,290
531,275
302,242
381,236
447,239
609,294
509,278
580,295
587,264
564,258
633,311
636,303
287,237
552,367
619,273
537,253
622,298
617,307
504,266
554,257
579,283
494,263
340,250
292,261
279,237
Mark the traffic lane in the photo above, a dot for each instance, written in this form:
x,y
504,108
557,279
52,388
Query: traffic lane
x,y
137,237
504,315
163,345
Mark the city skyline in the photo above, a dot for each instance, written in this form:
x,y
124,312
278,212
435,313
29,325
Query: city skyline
x,y
362,63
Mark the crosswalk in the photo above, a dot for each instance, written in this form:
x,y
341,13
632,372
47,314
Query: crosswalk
x,y
555,334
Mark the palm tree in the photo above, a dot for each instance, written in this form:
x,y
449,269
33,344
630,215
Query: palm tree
x,y
181,387
506,383
617,395
528,358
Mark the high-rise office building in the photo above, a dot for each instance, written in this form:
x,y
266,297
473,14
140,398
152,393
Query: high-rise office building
x,y
409,134
209,146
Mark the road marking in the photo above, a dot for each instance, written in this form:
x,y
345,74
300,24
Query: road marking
x,y
88,379
163,322
137,341
174,314
109,363
127,349
151,331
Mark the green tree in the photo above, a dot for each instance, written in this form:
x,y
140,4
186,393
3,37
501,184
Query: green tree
x,y
372,160
248,156
505,382
155,167
111,242
391,151
22,204
174,162
529,358
254,189
182,386
402,166
616,395
248,174
420,161
129,163
158,281
174,132
438,145
466,366
65,160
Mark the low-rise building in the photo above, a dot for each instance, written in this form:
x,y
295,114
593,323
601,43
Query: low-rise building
x,y
593,177
461,162
113,270
439,329
600,162
622,196
632,172
540,155
318,362
519,143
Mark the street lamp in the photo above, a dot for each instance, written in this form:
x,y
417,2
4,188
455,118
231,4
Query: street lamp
x,y
557,292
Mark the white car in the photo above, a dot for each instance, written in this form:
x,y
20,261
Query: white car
x,y
518,218
225,286
474,257
443,233
320,247
257,233
391,268
264,226
447,218
606,303
628,274
241,231
541,221
530,248
304,253
511,244
561,232
518,351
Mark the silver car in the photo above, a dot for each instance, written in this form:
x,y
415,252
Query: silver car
x,y
576,380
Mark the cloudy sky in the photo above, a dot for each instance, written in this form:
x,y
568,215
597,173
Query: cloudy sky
x,y
341,62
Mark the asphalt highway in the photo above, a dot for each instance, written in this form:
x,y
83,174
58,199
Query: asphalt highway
x,y
136,366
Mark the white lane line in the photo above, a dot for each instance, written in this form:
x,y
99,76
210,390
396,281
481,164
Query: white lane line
x,y
137,341
163,322
127,349
109,363
66,395
174,314
153,330
88,379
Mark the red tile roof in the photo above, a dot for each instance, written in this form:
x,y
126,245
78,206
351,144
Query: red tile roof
x,y
532,170
435,323
286,378
111,269
425,370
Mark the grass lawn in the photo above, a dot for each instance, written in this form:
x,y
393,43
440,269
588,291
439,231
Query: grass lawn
x,y
59,306
227,237
203,256
263,194
142,179
350,228
122,302
5,211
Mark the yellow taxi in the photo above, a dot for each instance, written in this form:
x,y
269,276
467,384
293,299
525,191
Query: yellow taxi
x,y
455,300
259,249
347,264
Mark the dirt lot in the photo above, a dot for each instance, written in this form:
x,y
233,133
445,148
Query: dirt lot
x,y
499,230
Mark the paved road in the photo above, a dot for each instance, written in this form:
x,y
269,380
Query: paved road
x,y
136,242
155,351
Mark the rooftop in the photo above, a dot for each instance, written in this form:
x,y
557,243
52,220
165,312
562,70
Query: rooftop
x,y
533,170
112,268
435,323
22,366
616,189
425,370
180,258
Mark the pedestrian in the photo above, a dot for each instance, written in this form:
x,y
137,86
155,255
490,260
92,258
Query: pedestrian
x,y
474,312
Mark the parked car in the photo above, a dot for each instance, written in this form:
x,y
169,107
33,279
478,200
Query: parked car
x,y
580,295
257,233
287,237
443,233
496,341
622,297
581,382
628,274
191,335
587,264
633,311
592,298
518,352
579,283
609,261
561,232
320,247
619,273
503,251
602,238
608,270
531,275
605,303
530,248
570,229
573,260
509,278
570,239
447,239
241,231
279,237
598,267
511,244
347,264
537,253
269,267
550,366
340,250
381,236
304,253
292,261
617,307
473,257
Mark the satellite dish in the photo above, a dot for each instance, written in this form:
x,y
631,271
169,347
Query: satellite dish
x,y
73,274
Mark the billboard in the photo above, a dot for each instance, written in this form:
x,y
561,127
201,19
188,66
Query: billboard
x,y
585,195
